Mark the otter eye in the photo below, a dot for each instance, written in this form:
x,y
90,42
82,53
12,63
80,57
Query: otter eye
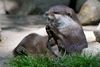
x,y
68,14
56,12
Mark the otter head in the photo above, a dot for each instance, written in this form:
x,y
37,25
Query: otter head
x,y
61,15
56,12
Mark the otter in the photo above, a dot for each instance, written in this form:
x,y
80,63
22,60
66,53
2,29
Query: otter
x,y
64,30
34,44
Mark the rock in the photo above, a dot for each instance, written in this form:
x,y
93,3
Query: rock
x,y
93,49
26,7
79,4
0,32
89,13
90,37
2,9
97,33
40,6
10,6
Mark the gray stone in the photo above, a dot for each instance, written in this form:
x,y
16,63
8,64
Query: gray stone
x,y
97,33
41,6
25,7
89,13
10,6
7,6
2,9
79,4
93,49
0,33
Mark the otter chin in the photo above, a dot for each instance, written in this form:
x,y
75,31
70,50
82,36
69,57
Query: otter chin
x,y
65,29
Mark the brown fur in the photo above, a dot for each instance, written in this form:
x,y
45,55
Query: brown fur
x,y
32,44
64,10
71,38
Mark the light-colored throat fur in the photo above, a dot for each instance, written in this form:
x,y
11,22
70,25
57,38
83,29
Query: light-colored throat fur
x,y
64,21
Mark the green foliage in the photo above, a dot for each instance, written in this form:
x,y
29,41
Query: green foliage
x,y
29,61
75,60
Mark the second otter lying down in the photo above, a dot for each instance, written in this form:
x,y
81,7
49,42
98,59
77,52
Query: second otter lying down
x,y
63,29
34,44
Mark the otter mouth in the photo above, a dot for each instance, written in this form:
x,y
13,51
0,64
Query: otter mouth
x,y
50,20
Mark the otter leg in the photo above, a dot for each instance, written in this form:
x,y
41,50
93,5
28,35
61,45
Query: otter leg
x,y
52,42
20,50
55,38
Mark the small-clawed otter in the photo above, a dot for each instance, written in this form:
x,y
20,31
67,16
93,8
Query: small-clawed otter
x,y
65,30
34,44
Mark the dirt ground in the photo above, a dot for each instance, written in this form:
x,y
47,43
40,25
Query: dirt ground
x,y
12,36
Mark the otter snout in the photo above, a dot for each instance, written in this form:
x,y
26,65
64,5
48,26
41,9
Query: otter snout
x,y
49,16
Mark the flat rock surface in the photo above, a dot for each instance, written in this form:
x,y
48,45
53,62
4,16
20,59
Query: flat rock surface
x,y
12,36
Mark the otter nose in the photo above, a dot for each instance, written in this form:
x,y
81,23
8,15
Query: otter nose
x,y
49,16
